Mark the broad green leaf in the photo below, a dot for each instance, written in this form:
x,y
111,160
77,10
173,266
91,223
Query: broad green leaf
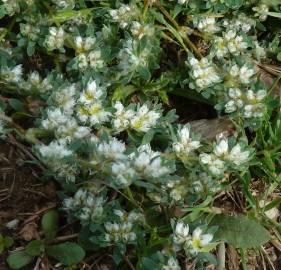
x,y
19,259
35,248
5,242
50,224
240,231
16,104
66,253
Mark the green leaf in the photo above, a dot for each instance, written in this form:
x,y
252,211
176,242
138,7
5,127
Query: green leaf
x,y
273,14
5,242
16,104
19,259
50,224
35,248
122,92
66,253
240,231
279,56
147,138
8,241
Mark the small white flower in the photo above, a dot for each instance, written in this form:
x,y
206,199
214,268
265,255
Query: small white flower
x,y
215,165
122,117
56,150
235,42
64,98
149,163
119,232
123,173
261,11
185,144
55,39
64,3
13,75
244,74
144,119
204,73
221,149
123,15
181,233
95,59
172,264
84,44
220,47
93,113
91,93
182,2
199,240
139,30
113,150
208,25
237,156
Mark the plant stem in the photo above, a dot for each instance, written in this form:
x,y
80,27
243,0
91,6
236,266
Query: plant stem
x,y
191,46
221,256
243,259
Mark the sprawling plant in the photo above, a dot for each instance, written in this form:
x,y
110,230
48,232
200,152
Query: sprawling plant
x,y
87,83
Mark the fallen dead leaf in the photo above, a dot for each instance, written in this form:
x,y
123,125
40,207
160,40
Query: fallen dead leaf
x,y
29,231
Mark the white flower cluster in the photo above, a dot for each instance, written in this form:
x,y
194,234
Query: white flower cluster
x,y
30,31
148,163
216,161
85,205
192,243
35,83
123,231
230,43
88,55
204,73
91,105
131,57
185,144
55,38
123,15
176,189
242,74
250,103
172,264
64,4
141,120
140,30
261,11
11,75
11,6
55,150
205,184
207,25
123,168
242,22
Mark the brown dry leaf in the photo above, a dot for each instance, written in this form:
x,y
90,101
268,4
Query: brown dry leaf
x,y
233,258
29,231
210,128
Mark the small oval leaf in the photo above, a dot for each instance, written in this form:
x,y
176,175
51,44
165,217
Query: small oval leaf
x,y
19,259
66,253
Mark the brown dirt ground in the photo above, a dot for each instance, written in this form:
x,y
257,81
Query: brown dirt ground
x,y
22,194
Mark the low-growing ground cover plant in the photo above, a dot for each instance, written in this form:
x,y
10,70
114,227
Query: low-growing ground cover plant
x,y
88,85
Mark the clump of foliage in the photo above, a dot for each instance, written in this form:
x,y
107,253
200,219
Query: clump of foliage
x,y
90,81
